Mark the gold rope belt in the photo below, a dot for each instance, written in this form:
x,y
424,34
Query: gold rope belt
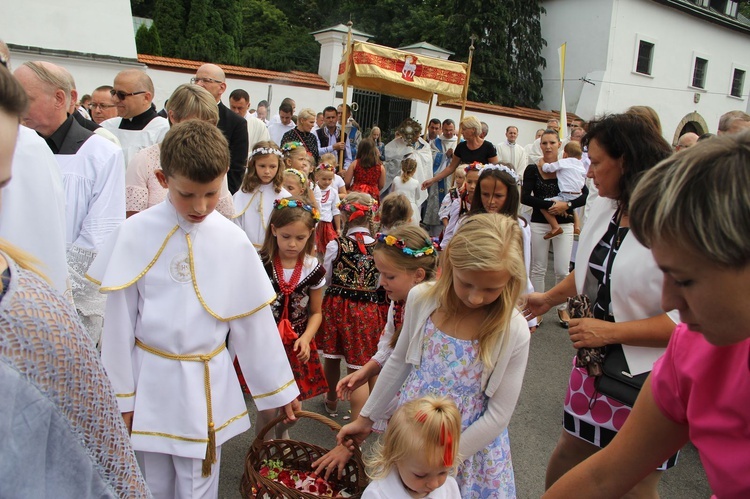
x,y
205,358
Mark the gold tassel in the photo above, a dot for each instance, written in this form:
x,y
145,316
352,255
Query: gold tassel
x,y
210,451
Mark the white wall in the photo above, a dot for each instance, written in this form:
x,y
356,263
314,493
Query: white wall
x,y
102,27
601,36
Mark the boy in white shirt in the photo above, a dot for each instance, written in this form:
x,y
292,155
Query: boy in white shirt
x,y
175,294
571,176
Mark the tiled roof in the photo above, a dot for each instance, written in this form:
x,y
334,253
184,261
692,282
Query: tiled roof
x,y
298,78
524,113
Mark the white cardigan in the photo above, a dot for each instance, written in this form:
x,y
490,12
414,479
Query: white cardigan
x,y
636,280
501,382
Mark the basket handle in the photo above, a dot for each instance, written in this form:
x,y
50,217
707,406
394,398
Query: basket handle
x,y
333,425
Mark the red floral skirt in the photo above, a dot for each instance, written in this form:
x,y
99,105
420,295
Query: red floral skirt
x,y
370,189
351,329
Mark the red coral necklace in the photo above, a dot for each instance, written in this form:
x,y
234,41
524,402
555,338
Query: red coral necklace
x,y
285,287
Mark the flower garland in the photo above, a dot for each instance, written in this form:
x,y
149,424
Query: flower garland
x,y
356,210
298,174
280,204
266,150
504,169
388,240
327,167
476,166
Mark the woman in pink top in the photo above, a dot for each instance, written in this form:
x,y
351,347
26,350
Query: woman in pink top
x,y
142,189
693,211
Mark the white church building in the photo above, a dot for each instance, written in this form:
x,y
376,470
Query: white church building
x,y
687,59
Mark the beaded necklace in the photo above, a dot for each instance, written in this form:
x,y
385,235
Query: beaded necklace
x,y
285,287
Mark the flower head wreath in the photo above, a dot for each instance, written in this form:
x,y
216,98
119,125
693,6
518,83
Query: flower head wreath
x,y
298,174
476,166
430,249
504,169
356,210
327,167
280,204
291,146
266,150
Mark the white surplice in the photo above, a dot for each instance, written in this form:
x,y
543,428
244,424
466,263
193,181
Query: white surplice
x,y
179,288
133,141
252,210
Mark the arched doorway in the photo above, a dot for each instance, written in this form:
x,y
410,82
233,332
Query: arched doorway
x,y
692,122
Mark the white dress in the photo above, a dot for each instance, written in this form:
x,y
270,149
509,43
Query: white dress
x,y
391,487
412,190
252,211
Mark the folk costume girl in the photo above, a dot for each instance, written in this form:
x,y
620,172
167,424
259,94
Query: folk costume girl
x,y
298,158
298,280
354,307
329,227
261,186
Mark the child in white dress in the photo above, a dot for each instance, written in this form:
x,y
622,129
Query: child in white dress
x,y
261,186
409,186
418,452
329,226
571,176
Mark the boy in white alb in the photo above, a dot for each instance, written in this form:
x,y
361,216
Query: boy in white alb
x,y
177,275
571,176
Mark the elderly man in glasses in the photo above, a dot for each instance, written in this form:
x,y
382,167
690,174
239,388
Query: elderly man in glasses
x,y
138,125
234,127
92,179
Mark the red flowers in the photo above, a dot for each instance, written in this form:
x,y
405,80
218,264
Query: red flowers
x,y
305,481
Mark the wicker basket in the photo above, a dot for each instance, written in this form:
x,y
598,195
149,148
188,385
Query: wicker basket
x,y
298,456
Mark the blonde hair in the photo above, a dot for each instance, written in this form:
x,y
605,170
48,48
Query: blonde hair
x,y
573,150
306,114
394,210
471,122
297,151
414,238
647,114
21,258
486,242
251,181
193,102
408,168
428,426
331,159
281,217
697,200
359,198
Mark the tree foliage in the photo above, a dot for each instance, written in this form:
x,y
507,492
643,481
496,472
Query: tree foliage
x,y
275,34
147,40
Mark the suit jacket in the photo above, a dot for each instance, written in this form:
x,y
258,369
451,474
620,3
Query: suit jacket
x,y
234,128
74,139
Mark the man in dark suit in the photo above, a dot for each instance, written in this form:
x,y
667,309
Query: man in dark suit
x,y
234,127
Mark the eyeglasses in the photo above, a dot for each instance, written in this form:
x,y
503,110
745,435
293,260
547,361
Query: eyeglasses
x,y
94,105
204,80
122,95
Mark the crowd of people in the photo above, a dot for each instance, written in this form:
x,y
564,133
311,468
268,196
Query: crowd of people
x,y
211,250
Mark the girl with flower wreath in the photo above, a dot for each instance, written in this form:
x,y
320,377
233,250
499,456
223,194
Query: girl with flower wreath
x,y
261,187
298,280
354,306
296,157
366,173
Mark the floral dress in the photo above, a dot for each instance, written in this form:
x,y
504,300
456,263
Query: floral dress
x,y
451,367
366,180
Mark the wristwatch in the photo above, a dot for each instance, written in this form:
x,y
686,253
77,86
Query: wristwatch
x,y
570,205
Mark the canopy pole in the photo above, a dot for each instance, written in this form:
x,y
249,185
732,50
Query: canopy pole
x,y
427,122
348,51
466,85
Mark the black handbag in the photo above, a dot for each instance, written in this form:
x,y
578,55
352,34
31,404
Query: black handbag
x,y
616,381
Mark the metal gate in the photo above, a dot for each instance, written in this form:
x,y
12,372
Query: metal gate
x,y
367,111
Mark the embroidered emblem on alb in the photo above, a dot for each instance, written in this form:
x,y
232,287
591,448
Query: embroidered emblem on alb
x,y
179,268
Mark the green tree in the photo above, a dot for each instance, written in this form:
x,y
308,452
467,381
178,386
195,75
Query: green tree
x,y
147,40
212,32
170,18
744,8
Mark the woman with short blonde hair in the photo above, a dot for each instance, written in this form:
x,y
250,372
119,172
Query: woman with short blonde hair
x,y
303,133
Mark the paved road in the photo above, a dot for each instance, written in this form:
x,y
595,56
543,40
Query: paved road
x,y
534,428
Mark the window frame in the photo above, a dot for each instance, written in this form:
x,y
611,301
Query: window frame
x,y
637,52
691,83
735,69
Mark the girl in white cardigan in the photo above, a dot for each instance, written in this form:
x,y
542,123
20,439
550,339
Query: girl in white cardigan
x,y
463,338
